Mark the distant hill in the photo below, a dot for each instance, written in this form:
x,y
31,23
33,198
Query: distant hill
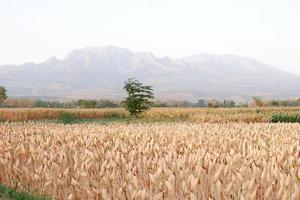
x,y
101,72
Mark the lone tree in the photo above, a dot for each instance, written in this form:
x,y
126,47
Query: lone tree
x,y
3,96
140,97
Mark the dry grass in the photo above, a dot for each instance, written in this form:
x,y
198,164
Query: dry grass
x,y
152,161
212,115
25,114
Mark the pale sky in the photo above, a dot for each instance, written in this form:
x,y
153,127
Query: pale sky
x,y
267,30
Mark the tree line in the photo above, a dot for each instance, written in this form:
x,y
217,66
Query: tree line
x,y
140,98
106,103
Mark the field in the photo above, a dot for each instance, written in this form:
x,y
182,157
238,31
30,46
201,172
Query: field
x,y
196,115
171,160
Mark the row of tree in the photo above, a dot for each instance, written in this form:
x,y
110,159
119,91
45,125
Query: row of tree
x,y
259,102
106,103
140,98
37,103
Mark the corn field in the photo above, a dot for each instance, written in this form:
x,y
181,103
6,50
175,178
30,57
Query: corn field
x,y
198,115
152,161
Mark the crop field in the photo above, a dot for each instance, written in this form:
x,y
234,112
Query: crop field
x,y
179,160
196,115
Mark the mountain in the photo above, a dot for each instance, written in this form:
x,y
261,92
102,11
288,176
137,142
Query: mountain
x,y
101,72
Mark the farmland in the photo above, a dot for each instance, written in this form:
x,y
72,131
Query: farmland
x,y
195,115
152,161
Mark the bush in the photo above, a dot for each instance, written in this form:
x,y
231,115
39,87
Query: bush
x,y
67,118
287,118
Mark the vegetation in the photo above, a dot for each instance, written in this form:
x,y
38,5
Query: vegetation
x,y
3,95
25,114
140,97
7,193
67,118
258,102
218,104
286,118
105,103
152,161
197,115
37,103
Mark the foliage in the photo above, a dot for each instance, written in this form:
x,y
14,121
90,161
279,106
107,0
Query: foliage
x,y
228,104
106,103
274,103
140,97
83,103
38,103
68,118
218,104
13,194
3,95
286,118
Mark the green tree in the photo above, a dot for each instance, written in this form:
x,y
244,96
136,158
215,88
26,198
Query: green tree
x,y
140,97
3,96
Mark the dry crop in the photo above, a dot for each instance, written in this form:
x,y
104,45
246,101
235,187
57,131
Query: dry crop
x,y
198,115
152,161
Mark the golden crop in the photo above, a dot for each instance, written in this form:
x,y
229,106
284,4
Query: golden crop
x,y
152,161
198,115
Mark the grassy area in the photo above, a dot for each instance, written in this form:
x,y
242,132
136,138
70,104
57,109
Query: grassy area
x,y
7,193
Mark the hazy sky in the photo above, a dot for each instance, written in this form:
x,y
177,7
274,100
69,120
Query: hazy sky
x,y
267,30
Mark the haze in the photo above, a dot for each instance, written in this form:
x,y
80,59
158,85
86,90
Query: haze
x,y
269,30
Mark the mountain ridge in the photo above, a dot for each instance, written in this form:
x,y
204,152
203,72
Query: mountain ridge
x,y
99,72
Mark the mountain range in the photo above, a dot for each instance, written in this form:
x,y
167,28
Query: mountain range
x,y
100,72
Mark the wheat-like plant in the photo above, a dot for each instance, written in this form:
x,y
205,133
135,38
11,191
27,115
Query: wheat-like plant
x,y
199,115
152,161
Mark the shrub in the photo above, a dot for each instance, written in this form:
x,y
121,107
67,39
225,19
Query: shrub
x,y
287,118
